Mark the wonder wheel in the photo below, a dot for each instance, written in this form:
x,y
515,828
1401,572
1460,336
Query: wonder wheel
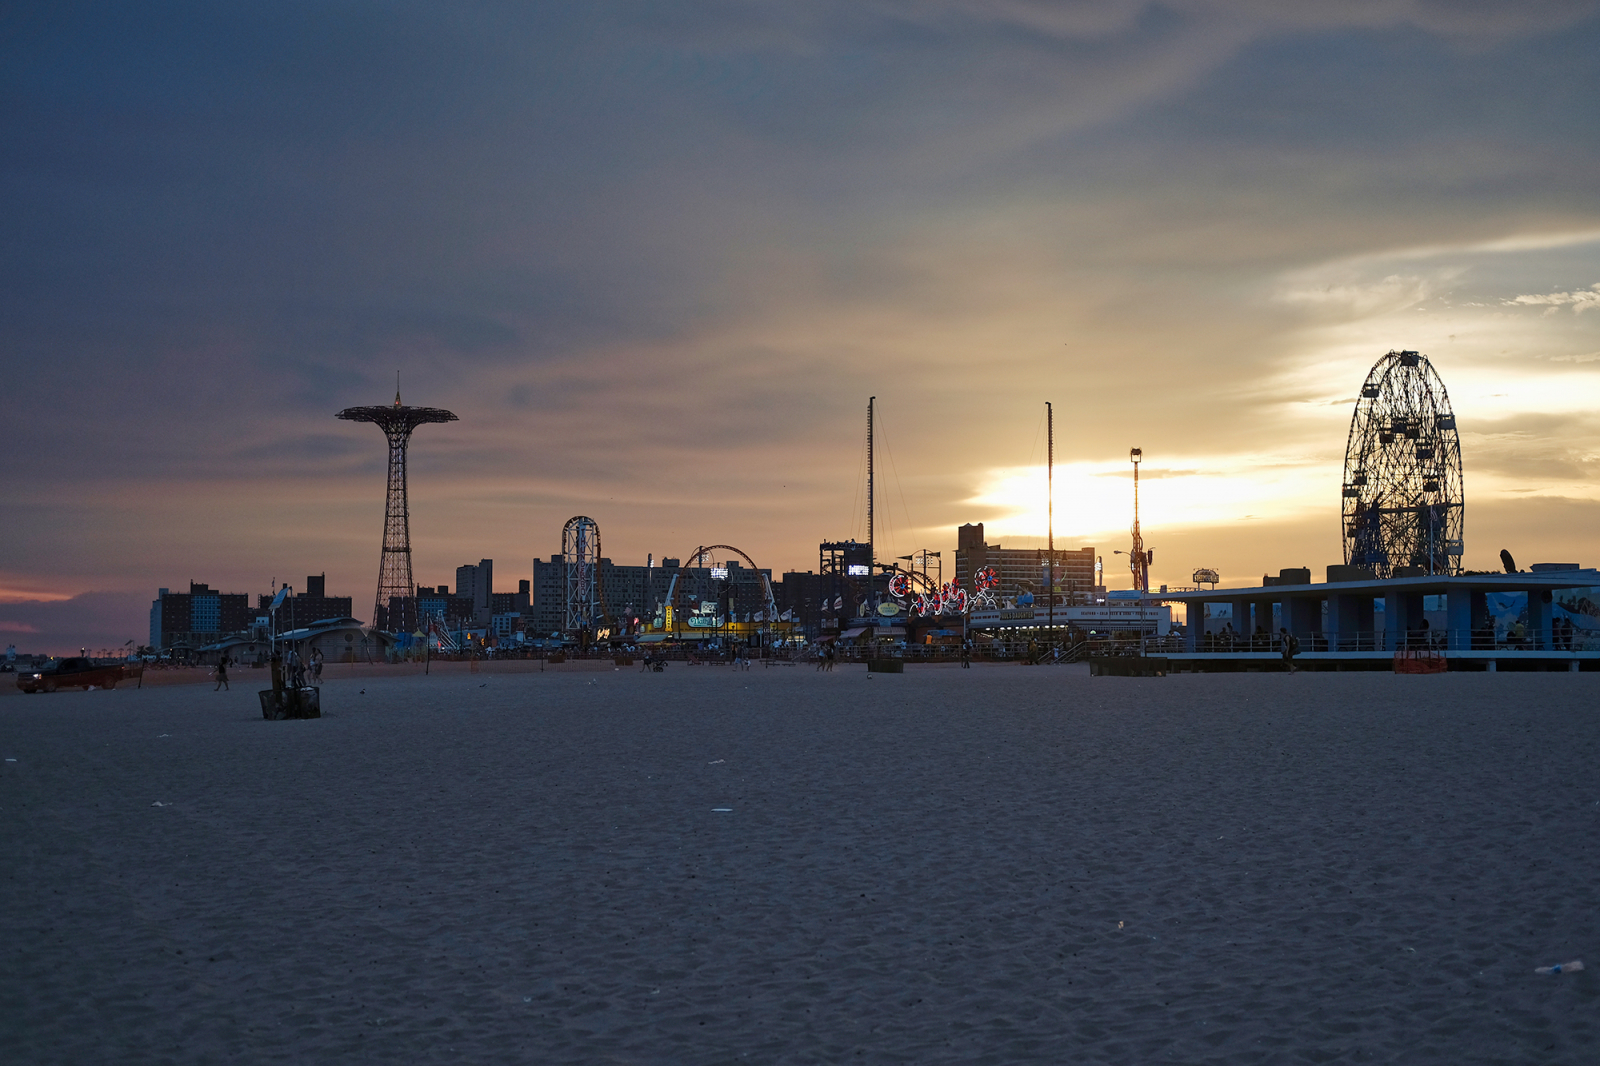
x,y
1403,497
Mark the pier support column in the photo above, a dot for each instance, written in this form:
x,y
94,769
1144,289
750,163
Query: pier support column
x,y
1194,628
1458,616
1394,621
1539,614
1350,622
1302,617
1241,623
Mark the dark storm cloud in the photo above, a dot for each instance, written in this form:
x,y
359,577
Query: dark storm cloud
x,y
653,247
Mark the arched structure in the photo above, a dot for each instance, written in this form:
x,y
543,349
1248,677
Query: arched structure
x,y
1403,498
707,553
580,556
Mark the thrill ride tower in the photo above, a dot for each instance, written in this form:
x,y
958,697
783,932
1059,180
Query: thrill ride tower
x,y
395,609
1138,558
1403,497
580,554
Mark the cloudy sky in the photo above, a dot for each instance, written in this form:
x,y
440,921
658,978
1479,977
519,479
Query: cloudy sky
x,y
657,256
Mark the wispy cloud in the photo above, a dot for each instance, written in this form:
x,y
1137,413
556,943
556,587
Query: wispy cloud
x,y
1580,301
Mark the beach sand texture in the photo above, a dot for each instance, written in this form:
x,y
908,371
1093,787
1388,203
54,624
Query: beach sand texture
x,y
996,865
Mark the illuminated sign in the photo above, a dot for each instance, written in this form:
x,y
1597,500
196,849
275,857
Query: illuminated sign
x,y
858,570
719,573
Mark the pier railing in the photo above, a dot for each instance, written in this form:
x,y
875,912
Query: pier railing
x,y
1444,640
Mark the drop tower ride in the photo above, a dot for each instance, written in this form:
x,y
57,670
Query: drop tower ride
x,y
396,586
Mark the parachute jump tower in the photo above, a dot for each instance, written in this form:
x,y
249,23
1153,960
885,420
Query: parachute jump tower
x,y
396,586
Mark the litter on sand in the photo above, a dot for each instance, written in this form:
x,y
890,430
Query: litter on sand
x,y
722,810
1562,967
158,803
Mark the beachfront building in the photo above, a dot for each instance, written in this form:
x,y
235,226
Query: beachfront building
x,y
1543,618
340,640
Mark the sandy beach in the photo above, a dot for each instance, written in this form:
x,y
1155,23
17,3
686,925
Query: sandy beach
x,y
996,865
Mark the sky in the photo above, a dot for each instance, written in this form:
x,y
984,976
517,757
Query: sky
x,y
657,257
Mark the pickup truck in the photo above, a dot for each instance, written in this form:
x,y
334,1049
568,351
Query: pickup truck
x,y
71,673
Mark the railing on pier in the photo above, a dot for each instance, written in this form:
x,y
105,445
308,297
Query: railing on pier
x,y
1382,640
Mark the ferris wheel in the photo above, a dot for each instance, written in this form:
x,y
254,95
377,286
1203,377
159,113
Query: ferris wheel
x,y
1403,496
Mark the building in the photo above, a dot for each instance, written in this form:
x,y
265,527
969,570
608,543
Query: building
x,y
801,593
1025,569
476,583
340,640
312,604
200,616
436,602
518,602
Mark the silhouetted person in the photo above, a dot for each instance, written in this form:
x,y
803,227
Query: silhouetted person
x,y
222,674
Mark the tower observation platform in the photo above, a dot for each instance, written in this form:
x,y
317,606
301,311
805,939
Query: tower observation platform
x,y
395,608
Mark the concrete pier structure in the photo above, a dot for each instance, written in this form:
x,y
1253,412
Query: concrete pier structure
x,y
1336,621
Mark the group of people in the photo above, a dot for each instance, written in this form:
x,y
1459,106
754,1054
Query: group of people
x,y
296,672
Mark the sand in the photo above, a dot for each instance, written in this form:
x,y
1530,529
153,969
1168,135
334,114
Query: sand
x,y
998,865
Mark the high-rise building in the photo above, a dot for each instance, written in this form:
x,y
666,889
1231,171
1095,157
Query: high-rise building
x,y
476,583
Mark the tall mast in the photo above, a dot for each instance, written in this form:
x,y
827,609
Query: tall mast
x,y
1050,496
872,555
1137,558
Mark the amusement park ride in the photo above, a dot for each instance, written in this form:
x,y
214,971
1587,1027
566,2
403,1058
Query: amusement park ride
x,y
1403,497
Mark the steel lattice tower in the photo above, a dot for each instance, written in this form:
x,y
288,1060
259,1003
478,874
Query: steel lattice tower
x,y
395,583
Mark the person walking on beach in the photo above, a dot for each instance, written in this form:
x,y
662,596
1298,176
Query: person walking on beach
x,y
316,667
966,655
1290,645
222,674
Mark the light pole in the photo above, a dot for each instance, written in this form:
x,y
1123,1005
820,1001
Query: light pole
x,y
1050,495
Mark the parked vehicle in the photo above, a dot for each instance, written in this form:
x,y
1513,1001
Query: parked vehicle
x,y
71,673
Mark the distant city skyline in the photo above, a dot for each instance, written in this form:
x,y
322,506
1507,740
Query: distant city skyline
x,y
656,264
